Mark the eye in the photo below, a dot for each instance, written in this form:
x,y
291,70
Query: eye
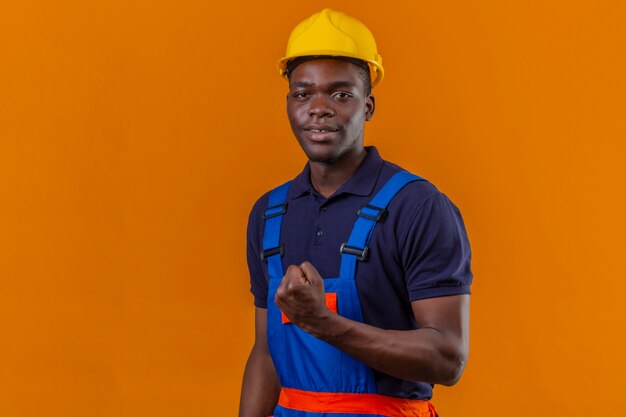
x,y
342,95
300,95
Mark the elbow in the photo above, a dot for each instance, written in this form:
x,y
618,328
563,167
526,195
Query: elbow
x,y
453,367
452,375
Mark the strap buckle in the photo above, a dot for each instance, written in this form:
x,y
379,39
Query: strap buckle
x,y
273,251
379,215
361,254
271,211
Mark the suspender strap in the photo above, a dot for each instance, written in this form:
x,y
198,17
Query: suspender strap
x,y
272,248
368,215
346,403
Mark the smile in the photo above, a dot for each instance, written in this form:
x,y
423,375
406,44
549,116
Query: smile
x,y
320,130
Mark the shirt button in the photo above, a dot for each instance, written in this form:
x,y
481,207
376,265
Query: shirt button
x,y
320,233
323,208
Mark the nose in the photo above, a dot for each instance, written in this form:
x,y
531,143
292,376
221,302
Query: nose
x,y
320,107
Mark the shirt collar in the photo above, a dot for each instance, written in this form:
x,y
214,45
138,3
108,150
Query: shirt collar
x,y
362,182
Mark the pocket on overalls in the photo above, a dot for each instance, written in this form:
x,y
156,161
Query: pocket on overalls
x,y
311,364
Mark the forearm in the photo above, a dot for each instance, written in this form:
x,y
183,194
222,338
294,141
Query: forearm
x,y
434,353
425,354
260,388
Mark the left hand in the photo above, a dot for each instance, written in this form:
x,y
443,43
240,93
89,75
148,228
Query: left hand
x,y
301,296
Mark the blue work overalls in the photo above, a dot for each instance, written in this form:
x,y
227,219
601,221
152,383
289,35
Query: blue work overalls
x,y
317,378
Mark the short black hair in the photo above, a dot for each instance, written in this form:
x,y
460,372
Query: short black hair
x,y
363,67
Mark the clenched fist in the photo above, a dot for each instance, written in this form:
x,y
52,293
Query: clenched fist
x,y
301,296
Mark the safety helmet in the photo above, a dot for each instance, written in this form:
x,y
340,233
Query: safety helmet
x,y
331,33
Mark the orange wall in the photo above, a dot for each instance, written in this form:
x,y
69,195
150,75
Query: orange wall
x,y
135,136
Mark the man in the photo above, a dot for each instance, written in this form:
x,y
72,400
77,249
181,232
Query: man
x,y
360,270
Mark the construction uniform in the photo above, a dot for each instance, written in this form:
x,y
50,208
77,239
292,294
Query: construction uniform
x,y
382,240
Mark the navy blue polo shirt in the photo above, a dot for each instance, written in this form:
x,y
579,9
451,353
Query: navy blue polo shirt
x,y
420,250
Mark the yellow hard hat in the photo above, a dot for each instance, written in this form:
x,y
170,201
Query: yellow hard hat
x,y
331,33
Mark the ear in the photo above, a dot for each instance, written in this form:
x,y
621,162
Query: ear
x,y
370,107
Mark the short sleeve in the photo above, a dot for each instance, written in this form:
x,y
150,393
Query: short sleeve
x,y
436,253
258,279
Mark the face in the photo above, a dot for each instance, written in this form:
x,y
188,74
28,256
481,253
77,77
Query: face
x,y
327,109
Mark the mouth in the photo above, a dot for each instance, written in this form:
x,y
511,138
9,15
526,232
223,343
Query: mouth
x,y
320,129
320,135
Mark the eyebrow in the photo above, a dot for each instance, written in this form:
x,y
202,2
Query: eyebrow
x,y
303,84
333,85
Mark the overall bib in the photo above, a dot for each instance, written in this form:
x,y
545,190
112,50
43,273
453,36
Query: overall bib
x,y
317,378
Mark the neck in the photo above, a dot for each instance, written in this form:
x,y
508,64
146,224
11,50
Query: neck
x,y
326,178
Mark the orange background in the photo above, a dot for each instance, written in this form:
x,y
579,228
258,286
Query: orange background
x,y
136,135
